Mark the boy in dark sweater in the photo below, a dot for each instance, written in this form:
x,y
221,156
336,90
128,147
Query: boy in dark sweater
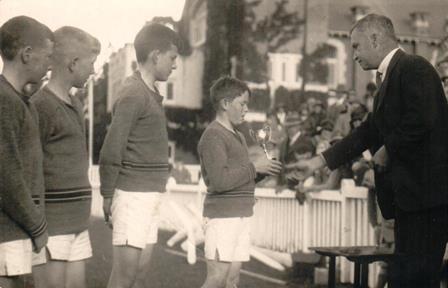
x,y
67,187
230,178
134,157
26,46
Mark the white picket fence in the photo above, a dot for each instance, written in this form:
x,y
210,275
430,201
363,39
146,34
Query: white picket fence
x,y
280,223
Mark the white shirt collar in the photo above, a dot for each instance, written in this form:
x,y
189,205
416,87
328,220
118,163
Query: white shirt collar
x,y
385,63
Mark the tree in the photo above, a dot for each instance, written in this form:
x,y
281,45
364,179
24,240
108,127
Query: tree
x,y
269,34
317,68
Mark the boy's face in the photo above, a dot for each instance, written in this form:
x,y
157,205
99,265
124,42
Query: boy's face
x,y
166,63
82,69
39,60
237,108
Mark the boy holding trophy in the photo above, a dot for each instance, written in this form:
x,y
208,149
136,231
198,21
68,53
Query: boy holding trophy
x,y
230,178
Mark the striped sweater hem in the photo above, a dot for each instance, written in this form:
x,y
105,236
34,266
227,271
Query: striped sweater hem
x,y
68,194
162,167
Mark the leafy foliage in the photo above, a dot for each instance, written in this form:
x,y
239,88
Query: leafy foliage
x,y
317,67
269,34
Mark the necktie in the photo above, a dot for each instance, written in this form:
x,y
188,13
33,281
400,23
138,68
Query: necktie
x,y
378,79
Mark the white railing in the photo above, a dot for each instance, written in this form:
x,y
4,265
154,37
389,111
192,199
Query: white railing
x,y
280,223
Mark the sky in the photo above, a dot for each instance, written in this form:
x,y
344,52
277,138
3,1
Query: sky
x,y
113,22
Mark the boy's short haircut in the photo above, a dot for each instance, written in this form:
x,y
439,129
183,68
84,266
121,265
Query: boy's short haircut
x,y
227,88
71,42
19,32
154,36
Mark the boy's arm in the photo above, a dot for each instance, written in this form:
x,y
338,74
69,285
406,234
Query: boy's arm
x,y
15,196
223,175
126,112
46,119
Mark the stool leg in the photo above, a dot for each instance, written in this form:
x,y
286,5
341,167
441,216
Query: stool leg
x,y
332,272
357,279
365,275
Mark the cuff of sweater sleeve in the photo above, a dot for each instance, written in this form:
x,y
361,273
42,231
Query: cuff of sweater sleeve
x,y
39,229
107,193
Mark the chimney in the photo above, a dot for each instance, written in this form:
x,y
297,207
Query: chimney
x,y
419,21
358,12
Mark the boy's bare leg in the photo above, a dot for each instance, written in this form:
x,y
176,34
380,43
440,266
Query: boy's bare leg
x,y
76,274
144,267
125,266
11,282
49,275
233,278
217,273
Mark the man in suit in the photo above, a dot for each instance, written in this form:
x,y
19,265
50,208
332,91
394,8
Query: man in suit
x,y
407,133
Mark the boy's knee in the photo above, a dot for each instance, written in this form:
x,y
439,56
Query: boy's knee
x,y
218,277
128,274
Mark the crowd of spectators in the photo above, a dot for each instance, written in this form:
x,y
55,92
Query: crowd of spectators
x,y
309,130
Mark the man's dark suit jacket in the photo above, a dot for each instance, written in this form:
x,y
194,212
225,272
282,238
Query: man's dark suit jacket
x,y
410,118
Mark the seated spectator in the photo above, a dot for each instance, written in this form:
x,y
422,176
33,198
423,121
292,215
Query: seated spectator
x,y
342,124
297,141
317,115
358,114
324,131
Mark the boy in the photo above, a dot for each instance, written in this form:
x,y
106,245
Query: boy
x,y
134,156
66,163
230,178
26,46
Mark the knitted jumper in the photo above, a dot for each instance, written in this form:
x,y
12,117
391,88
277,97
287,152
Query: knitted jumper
x,y
21,176
228,173
134,156
68,192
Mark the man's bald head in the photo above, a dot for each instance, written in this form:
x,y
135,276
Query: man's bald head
x,y
20,32
377,24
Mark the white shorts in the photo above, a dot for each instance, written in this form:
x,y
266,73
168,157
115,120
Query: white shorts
x,y
135,218
227,239
15,257
68,247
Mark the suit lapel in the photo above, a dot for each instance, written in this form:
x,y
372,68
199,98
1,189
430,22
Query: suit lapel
x,y
383,88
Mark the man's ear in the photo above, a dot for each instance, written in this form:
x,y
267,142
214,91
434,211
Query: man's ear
x,y
25,54
374,40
